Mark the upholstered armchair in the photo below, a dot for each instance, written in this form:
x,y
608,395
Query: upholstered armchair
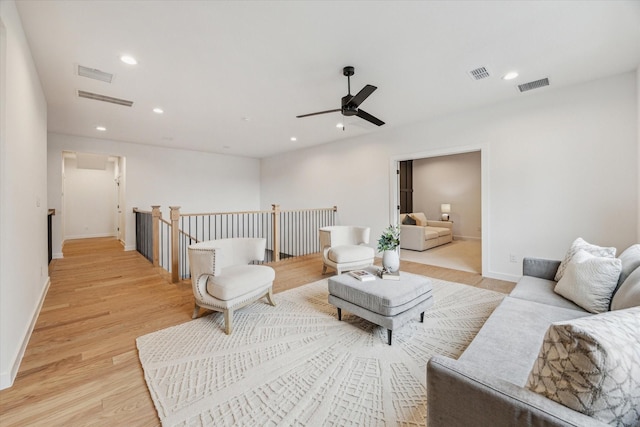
x,y
222,278
344,248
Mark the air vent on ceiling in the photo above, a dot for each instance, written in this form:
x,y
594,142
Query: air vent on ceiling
x,y
95,74
479,73
534,85
104,98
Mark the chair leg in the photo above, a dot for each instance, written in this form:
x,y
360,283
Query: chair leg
x,y
196,310
324,269
270,297
228,318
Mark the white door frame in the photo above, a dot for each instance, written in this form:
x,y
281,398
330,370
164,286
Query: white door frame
x,y
394,195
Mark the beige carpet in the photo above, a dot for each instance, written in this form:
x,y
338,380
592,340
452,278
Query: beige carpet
x,y
464,255
296,364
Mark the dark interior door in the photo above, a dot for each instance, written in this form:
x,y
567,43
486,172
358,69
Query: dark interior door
x,y
406,186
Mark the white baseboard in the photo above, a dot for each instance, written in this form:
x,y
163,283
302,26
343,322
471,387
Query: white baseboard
x,y
58,255
89,236
7,378
502,276
456,237
129,247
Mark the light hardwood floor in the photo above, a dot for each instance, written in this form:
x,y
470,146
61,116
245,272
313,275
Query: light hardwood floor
x,y
81,365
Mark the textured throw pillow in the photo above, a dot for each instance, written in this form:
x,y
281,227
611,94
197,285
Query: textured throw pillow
x,y
592,365
580,244
589,281
628,294
408,220
419,218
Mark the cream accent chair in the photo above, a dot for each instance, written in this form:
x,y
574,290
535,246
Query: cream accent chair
x,y
222,278
343,248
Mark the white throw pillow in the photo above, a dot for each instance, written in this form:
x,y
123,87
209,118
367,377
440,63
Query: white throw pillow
x,y
592,365
589,281
581,244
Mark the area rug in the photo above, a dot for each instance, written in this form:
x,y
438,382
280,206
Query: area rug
x,y
296,364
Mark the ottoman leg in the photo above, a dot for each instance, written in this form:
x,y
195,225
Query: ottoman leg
x,y
339,313
389,332
422,317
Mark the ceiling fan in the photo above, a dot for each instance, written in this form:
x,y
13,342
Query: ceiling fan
x,y
350,103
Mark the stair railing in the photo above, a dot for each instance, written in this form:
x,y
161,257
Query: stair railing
x,y
289,233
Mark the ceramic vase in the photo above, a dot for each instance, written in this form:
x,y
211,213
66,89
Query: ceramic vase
x,y
391,260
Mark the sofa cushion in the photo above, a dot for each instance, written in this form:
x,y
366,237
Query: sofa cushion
x,y
419,218
350,253
628,295
630,261
441,231
592,365
589,281
238,280
581,244
430,234
509,341
541,290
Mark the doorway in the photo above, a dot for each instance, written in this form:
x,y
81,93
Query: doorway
x,y
456,178
92,196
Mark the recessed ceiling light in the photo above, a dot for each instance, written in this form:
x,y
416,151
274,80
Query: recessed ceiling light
x,y
510,75
339,125
293,138
101,128
128,59
158,110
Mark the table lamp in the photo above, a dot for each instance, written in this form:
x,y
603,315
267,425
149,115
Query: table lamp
x,y
445,208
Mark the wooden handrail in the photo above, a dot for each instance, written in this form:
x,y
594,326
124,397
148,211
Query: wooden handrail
x,y
184,233
332,209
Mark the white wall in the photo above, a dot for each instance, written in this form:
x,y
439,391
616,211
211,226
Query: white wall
x,y
23,193
557,164
90,200
198,182
453,179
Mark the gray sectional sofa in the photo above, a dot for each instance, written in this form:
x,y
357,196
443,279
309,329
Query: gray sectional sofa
x,y
486,385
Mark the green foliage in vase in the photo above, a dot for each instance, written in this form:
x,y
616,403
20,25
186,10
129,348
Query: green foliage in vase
x,y
390,239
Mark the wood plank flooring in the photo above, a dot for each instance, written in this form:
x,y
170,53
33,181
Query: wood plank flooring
x,y
81,365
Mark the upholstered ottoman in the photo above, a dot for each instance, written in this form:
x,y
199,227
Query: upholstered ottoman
x,y
387,303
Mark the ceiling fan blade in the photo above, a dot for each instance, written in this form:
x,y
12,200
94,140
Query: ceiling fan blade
x,y
320,112
368,117
362,95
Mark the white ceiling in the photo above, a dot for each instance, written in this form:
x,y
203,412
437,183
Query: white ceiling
x,y
211,64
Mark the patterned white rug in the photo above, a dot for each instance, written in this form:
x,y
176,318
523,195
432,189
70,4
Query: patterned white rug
x,y
296,364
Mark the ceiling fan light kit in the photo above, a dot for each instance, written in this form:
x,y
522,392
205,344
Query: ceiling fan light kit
x,y
350,103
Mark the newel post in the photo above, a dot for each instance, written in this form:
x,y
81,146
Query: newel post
x,y
276,231
175,243
155,237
